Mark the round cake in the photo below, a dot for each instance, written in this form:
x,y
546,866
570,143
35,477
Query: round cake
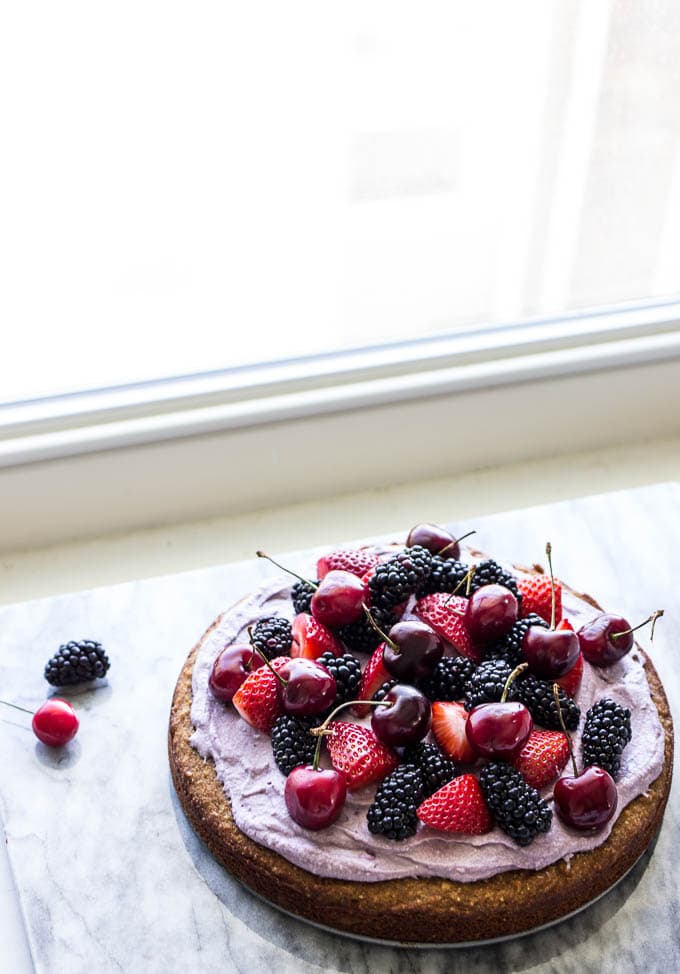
x,y
433,884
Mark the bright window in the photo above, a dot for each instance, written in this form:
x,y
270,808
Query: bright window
x,y
189,187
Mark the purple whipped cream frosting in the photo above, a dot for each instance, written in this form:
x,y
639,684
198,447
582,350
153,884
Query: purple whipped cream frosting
x,y
347,850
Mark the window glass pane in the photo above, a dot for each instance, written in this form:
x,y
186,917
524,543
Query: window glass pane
x,y
189,187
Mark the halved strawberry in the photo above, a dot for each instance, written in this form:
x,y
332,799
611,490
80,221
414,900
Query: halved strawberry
x,y
354,560
457,807
536,594
443,613
542,757
311,638
372,679
257,699
448,727
356,751
571,680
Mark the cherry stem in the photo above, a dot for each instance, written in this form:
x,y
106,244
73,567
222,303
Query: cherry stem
x,y
323,731
374,625
261,554
467,577
556,694
455,542
510,680
15,706
625,632
548,551
264,659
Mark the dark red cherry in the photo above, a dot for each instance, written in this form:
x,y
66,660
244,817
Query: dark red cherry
x,y
491,612
55,723
499,730
314,797
339,599
550,652
406,719
416,651
229,671
596,641
587,801
435,538
310,688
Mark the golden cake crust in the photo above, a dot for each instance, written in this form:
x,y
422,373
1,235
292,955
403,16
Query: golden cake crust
x,y
436,911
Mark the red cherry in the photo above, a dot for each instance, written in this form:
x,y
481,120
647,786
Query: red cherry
x,y
596,641
413,650
435,538
310,688
339,599
550,652
314,797
55,723
406,720
491,612
586,801
499,730
229,671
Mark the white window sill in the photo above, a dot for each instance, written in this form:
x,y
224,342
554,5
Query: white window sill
x,y
217,445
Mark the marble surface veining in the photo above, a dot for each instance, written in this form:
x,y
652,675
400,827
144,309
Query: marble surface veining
x,y
111,878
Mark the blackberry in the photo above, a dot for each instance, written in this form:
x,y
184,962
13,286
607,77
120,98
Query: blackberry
x,y
446,575
77,662
399,577
347,672
449,678
273,636
361,637
537,696
292,743
489,572
605,734
393,812
487,683
517,807
437,770
383,690
510,646
301,594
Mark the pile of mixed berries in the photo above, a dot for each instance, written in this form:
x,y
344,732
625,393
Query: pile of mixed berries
x,y
483,661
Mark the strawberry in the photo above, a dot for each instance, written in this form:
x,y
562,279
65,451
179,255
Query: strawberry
x,y
536,593
372,679
311,638
442,613
357,752
354,560
448,727
571,680
457,807
542,757
257,699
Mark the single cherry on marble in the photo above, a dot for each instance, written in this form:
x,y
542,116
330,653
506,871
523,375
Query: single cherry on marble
x,y
404,717
55,723
412,650
490,613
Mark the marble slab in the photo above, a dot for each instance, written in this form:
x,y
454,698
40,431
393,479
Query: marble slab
x,y
111,878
